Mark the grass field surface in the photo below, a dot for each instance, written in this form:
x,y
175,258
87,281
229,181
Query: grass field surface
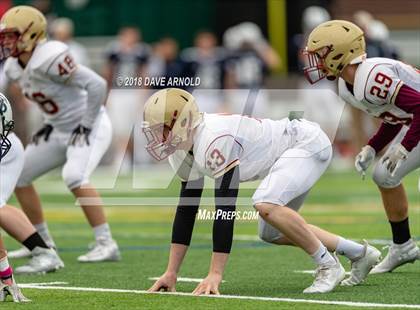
x,y
258,275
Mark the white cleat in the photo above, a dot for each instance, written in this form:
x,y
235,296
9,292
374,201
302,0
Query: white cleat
x,y
23,252
42,261
398,255
327,277
103,250
361,266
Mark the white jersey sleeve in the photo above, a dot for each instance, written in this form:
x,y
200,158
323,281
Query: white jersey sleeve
x,y
55,62
62,68
221,155
377,83
13,71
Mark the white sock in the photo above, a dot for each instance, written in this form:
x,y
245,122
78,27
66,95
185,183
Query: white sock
x,y
352,250
323,257
102,232
4,264
43,231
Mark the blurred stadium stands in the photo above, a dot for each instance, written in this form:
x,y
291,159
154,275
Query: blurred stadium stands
x,y
97,22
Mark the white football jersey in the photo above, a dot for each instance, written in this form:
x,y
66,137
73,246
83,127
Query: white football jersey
x,y
44,81
223,141
376,85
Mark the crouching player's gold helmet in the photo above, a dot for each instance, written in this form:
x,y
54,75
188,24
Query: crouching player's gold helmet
x,y
21,28
170,115
331,47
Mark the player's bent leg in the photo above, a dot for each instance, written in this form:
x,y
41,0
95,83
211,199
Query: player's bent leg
x,y
403,249
31,205
81,162
329,272
39,159
105,249
291,224
30,201
15,223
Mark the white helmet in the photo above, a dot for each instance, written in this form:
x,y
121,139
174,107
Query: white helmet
x,y
6,125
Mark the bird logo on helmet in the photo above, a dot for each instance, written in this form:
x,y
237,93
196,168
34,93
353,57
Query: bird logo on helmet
x,y
331,46
6,125
170,115
21,29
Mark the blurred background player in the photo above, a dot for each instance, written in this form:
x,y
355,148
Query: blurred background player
x,y
249,61
62,29
76,132
12,220
126,57
386,89
206,60
165,61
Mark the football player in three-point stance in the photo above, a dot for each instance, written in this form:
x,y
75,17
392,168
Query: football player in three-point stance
x,y
387,89
13,220
76,132
233,149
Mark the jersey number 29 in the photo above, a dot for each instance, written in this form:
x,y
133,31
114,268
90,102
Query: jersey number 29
x,y
385,82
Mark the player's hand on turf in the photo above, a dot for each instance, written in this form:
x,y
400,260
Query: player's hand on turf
x,y
165,283
43,133
364,159
394,158
11,289
209,285
80,136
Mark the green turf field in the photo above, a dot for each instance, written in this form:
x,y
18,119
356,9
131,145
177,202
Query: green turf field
x,y
340,202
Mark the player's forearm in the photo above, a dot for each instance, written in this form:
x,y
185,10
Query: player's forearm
x,y
408,99
384,135
226,193
176,256
218,263
96,89
412,137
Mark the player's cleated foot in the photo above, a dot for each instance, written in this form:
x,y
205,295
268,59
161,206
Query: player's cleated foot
x,y
103,250
19,253
398,254
327,277
361,266
42,261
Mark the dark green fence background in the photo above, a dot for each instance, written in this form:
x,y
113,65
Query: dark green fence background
x,y
156,18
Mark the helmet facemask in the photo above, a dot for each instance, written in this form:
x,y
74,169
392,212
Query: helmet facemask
x,y
159,146
9,39
315,69
161,139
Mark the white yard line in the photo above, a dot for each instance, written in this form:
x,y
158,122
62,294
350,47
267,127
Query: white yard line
x,y
275,299
45,283
312,272
181,279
